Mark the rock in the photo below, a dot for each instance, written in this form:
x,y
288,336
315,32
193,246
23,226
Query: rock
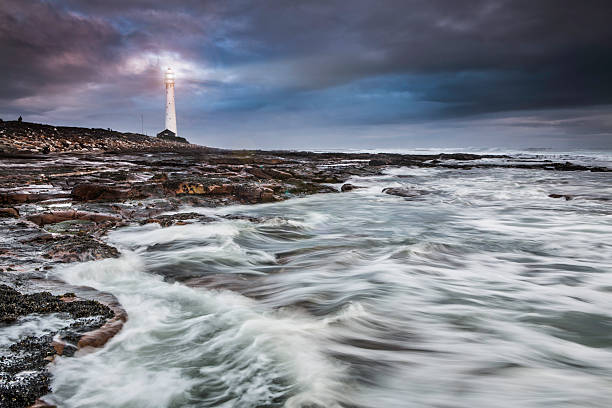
x,y
68,248
177,219
566,196
404,192
349,187
191,188
22,198
278,174
101,336
259,173
54,217
458,156
41,404
13,305
244,218
9,212
160,177
225,189
23,363
254,194
304,188
98,192
377,162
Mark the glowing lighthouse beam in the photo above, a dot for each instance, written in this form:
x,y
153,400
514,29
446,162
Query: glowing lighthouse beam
x,y
170,108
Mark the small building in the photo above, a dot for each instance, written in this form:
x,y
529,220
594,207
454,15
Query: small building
x,y
170,136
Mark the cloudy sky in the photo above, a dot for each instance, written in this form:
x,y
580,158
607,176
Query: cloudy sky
x,y
318,74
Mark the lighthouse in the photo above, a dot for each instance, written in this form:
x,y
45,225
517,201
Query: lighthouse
x,y
169,133
170,108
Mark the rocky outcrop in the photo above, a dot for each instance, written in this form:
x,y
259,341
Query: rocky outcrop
x,y
67,248
14,304
34,138
405,192
177,219
23,364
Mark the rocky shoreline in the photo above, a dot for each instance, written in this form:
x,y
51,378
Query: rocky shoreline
x,y
63,188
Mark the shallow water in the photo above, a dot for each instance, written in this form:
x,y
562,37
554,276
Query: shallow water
x,y
484,292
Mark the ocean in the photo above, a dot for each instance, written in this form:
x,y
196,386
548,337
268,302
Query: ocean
x,y
482,291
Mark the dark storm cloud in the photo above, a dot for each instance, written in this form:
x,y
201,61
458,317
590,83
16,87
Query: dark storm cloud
x,y
324,63
44,49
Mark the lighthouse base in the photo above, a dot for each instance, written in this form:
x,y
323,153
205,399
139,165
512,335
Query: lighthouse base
x,y
171,136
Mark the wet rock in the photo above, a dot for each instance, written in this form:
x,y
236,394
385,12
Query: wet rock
x,y
23,392
458,156
243,217
349,187
191,188
225,189
378,162
254,194
23,374
75,227
9,212
278,174
259,173
300,187
101,336
54,217
160,177
14,304
68,248
97,192
173,219
23,198
41,404
404,192
566,196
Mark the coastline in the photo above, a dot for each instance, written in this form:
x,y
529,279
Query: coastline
x,y
58,205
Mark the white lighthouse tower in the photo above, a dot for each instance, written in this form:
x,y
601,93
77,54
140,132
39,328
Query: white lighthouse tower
x,y
170,108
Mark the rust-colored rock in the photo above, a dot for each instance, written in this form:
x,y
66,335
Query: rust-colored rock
x,y
191,188
42,404
254,194
279,174
59,216
160,177
101,336
224,189
58,347
98,192
23,198
259,173
9,212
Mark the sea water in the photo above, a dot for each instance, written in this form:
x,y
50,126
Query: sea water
x,y
482,292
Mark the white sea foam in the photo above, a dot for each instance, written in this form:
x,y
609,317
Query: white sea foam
x,y
174,332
